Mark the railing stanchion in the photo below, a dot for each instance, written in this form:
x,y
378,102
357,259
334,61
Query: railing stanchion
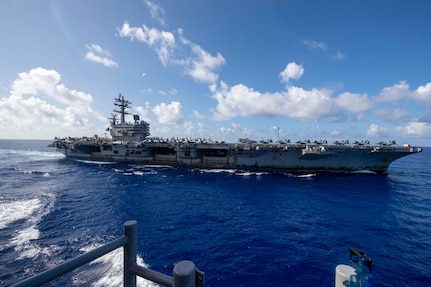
x,y
185,272
130,231
187,275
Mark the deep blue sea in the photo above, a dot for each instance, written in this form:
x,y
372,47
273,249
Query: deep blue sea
x,y
240,228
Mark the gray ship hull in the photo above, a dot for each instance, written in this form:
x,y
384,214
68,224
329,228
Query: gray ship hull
x,y
130,142
291,157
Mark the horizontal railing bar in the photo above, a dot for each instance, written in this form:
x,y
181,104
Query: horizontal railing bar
x,y
51,274
152,275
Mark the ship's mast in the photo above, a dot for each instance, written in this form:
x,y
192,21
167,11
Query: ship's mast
x,y
113,119
123,104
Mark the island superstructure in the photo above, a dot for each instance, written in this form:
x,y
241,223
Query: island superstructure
x,y
131,142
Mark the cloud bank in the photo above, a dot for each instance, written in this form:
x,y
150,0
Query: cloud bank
x,y
177,51
38,102
322,104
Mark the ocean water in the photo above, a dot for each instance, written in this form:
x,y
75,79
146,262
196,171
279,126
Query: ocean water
x,y
240,228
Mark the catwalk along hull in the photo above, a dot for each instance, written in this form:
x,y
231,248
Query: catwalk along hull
x,y
130,142
292,157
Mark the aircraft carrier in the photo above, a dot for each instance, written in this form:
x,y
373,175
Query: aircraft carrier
x,y
131,142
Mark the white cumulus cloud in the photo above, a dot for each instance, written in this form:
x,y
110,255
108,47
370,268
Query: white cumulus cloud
x,y
295,102
198,115
162,42
190,57
423,93
169,113
38,105
392,115
416,129
357,103
156,12
376,131
98,55
396,93
292,71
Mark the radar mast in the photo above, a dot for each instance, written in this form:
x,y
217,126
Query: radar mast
x,y
123,105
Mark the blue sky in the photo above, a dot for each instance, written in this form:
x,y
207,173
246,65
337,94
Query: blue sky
x,y
356,70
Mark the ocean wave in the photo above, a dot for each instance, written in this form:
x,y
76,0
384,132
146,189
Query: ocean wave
x,y
236,172
241,229
364,171
94,162
31,154
216,170
110,267
137,170
17,210
308,175
36,172
152,166
22,218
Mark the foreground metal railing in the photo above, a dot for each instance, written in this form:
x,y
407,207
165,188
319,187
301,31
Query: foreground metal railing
x,y
185,274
